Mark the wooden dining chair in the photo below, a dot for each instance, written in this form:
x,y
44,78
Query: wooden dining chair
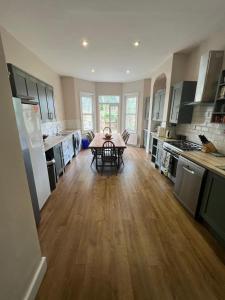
x,y
124,133
92,133
126,137
107,130
109,155
89,136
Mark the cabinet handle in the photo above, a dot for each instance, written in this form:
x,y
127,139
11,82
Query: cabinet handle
x,y
189,171
50,116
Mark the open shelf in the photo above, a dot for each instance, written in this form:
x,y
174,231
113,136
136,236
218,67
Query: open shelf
x,y
218,114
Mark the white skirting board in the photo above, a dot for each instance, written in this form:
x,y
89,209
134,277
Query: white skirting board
x,y
36,280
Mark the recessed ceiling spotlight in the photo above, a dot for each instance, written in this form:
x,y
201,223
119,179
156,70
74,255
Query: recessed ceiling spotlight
x,y
136,44
85,43
128,71
92,70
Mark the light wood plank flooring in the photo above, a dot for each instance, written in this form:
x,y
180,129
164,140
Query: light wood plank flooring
x,y
125,237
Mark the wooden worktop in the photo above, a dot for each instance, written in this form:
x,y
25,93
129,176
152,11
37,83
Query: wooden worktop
x,y
99,140
161,138
206,160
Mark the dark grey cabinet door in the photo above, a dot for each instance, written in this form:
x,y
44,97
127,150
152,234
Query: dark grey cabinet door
x,y
156,107
161,105
58,156
213,204
50,101
183,93
42,98
175,105
32,87
18,82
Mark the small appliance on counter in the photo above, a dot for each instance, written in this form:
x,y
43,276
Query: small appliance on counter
x,y
170,133
161,131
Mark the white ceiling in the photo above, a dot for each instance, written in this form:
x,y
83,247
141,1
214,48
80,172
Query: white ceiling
x,y
53,29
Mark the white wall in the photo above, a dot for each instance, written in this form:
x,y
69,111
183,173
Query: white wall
x,y
20,254
71,89
129,88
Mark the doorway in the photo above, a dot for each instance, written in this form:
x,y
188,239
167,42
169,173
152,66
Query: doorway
x,y
109,112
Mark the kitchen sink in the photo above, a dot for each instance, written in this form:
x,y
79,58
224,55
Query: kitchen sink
x,y
221,167
62,134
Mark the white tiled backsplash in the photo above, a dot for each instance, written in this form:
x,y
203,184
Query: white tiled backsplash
x,y
51,128
201,125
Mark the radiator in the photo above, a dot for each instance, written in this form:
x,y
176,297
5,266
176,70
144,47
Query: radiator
x,y
133,139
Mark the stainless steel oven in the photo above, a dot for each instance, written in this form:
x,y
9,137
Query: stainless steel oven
x,y
171,153
169,163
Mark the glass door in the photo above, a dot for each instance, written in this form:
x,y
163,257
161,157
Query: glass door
x,y
109,112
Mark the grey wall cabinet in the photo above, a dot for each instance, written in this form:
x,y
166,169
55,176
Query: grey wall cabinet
x,y
32,87
50,101
213,204
25,86
158,105
183,93
18,82
42,98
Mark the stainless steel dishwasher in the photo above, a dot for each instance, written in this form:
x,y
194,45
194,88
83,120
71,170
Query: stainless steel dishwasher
x,y
188,184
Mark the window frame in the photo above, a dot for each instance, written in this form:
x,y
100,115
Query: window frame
x,y
86,94
127,96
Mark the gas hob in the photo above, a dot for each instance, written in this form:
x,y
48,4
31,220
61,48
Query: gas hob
x,y
180,146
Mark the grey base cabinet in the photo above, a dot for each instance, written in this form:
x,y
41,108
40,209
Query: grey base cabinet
x,y
145,137
59,161
213,204
159,153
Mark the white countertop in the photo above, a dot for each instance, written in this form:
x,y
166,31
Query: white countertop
x,y
53,140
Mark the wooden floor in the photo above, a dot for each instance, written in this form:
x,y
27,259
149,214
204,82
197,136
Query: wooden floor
x,y
125,237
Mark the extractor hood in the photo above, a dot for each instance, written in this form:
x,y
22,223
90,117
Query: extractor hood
x,y
208,76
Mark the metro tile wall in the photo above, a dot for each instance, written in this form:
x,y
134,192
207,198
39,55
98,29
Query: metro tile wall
x,y
51,128
201,125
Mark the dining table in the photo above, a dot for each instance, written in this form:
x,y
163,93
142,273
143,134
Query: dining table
x,y
96,146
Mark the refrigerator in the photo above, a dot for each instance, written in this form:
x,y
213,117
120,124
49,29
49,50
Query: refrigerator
x,y
29,128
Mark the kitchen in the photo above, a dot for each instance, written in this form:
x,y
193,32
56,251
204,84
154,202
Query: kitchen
x,y
195,168
86,234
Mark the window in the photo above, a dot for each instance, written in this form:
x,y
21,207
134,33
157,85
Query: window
x,y
109,112
131,113
87,117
